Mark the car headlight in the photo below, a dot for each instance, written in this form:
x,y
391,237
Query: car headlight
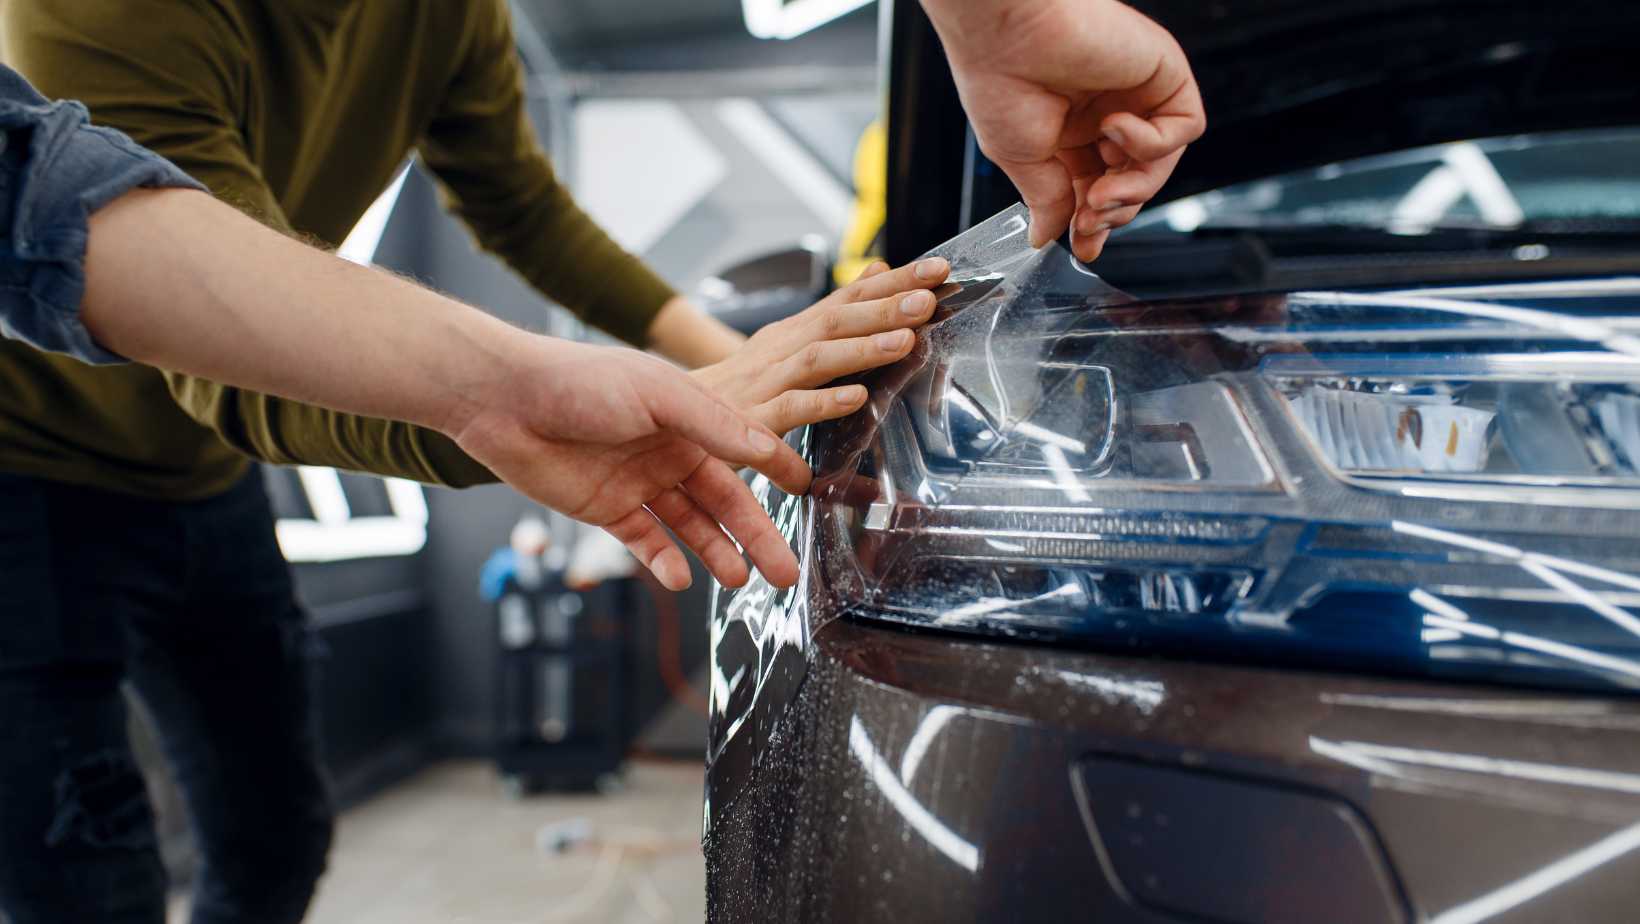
x,y
1441,481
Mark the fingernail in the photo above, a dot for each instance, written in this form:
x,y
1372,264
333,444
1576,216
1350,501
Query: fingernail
x,y
851,395
1114,136
916,303
1113,204
891,340
762,443
1102,226
930,268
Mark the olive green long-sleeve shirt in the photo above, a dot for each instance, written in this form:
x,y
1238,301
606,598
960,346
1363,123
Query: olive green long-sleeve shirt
x,y
298,112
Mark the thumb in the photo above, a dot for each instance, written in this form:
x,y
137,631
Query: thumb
x,y
1046,188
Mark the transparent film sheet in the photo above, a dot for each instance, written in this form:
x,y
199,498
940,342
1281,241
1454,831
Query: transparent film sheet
x,y
1059,458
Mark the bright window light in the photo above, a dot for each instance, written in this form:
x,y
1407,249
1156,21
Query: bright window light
x,y
334,534
361,243
774,19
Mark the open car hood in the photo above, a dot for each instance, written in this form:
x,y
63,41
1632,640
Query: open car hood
x,y
1296,83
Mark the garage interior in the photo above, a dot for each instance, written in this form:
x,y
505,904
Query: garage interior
x,y
699,146
1279,566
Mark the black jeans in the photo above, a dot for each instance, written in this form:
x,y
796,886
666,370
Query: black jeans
x,y
192,605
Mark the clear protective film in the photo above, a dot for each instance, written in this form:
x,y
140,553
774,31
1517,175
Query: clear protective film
x,y
1440,481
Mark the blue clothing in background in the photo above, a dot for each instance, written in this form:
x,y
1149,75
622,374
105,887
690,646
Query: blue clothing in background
x,y
55,170
498,569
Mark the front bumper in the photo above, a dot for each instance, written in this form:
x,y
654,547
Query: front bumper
x,y
918,777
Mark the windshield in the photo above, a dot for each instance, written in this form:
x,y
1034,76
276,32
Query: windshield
x,y
1575,177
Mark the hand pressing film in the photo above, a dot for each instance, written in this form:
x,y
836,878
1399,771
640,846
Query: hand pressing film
x,y
1086,105
626,442
778,375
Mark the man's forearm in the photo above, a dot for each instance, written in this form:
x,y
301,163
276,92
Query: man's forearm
x,y
690,337
180,281
611,437
963,24
974,31
956,13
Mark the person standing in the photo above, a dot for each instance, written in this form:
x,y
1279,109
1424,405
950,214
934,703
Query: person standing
x,y
297,111
137,543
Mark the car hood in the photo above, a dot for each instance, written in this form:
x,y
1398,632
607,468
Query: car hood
x,y
1296,83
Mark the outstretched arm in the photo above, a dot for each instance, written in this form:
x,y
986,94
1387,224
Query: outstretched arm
x,y
612,437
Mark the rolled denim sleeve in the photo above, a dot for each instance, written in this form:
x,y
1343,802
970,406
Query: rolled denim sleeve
x,y
56,169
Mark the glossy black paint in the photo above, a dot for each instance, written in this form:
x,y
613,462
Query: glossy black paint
x,y
993,821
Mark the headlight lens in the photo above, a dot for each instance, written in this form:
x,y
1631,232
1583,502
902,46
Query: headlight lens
x,y
1499,417
1444,482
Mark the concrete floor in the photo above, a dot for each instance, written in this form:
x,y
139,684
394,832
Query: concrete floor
x,y
448,846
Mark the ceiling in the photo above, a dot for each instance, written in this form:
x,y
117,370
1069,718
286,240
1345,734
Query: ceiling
x,y
575,23
688,35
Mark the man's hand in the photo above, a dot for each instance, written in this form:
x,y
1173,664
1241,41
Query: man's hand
x,y
1085,104
777,375
624,441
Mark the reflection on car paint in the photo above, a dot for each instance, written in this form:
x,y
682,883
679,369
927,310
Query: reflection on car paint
x,y
1553,875
1434,770
894,791
1145,695
976,738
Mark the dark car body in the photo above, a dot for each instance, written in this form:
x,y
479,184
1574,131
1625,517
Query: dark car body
x,y
1287,571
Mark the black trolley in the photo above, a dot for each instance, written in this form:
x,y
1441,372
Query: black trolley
x,y
563,683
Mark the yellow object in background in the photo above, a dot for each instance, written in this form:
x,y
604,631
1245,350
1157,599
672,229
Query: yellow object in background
x,y
862,239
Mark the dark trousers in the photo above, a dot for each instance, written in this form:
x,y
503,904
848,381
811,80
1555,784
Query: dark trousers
x,y
190,604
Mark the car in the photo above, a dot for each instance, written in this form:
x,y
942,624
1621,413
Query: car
x,y
1281,566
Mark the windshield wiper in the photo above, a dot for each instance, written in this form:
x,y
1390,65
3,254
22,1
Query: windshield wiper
x,y
1445,232
1274,255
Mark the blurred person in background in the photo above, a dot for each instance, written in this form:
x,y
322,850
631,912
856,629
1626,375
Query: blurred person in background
x,y
297,112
